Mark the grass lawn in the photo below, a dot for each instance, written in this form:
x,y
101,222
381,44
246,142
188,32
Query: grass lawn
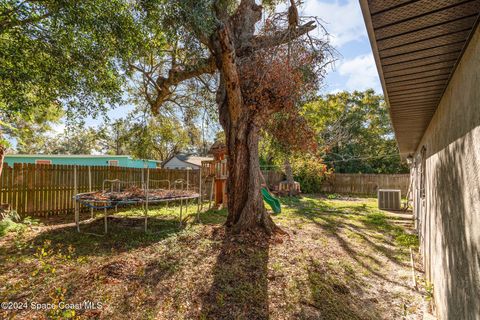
x,y
342,259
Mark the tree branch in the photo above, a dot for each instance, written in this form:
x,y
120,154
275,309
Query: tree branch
x,y
227,61
6,25
277,38
177,75
244,20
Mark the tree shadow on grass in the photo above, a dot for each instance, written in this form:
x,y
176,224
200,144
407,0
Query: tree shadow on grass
x,y
240,285
213,217
332,220
332,297
124,234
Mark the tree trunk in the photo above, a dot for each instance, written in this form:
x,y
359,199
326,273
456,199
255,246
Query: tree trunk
x,y
246,211
288,171
289,175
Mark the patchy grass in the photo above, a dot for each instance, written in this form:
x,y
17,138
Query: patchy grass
x,y
343,259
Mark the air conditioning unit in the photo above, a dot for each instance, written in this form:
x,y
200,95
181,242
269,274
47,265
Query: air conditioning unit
x,y
389,199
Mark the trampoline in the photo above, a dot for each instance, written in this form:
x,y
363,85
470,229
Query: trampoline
x,y
117,193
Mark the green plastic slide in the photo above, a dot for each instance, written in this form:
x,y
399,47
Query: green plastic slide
x,y
273,202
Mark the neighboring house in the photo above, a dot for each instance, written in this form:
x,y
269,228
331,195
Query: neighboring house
x,y
428,57
81,160
181,161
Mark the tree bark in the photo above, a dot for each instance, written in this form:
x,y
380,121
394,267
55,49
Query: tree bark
x,y
288,171
246,211
289,176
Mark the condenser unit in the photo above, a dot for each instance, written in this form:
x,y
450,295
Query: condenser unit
x,y
389,199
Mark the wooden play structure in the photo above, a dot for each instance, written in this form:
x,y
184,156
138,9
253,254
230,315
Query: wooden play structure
x,y
214,172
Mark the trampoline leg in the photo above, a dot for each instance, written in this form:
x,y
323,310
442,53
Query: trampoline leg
x,y
181,207
76,206
146,216
105,220
77,222
199,207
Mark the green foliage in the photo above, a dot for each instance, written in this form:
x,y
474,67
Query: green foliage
x,y
157,138
429,291
310,173
401,237
333,196
356,133
9,214
56,52
62,55
145,136
7,225
74,140
10,222
407,240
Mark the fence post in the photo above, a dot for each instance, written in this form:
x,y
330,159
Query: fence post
x,y
75,189
199,207
90,187
146,198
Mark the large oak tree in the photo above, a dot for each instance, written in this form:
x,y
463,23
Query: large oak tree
x,y
263,67
75,54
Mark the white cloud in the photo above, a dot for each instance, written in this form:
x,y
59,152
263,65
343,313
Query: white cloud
x,y
361,73
57,128
334,91
343,21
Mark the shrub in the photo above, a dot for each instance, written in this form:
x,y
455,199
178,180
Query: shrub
x,y
9,222
310,172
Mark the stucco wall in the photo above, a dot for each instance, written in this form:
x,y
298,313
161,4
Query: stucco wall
x,y
449,222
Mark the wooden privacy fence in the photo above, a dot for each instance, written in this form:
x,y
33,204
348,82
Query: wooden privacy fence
x,y
42,190
367,184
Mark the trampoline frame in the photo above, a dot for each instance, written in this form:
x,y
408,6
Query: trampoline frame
x,y
144,202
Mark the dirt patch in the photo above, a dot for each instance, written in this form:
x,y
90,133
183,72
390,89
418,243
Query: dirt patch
x,y
125,269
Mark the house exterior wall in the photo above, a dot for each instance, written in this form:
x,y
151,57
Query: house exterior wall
x,y
175,163
448,215
123,161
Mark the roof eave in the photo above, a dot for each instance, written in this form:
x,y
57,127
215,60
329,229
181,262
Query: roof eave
x,y
373,42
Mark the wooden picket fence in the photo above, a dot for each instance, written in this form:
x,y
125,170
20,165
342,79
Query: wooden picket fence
x,y
43,190
367,184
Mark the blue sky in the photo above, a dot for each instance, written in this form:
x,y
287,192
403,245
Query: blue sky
x,y
355,68
343,20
